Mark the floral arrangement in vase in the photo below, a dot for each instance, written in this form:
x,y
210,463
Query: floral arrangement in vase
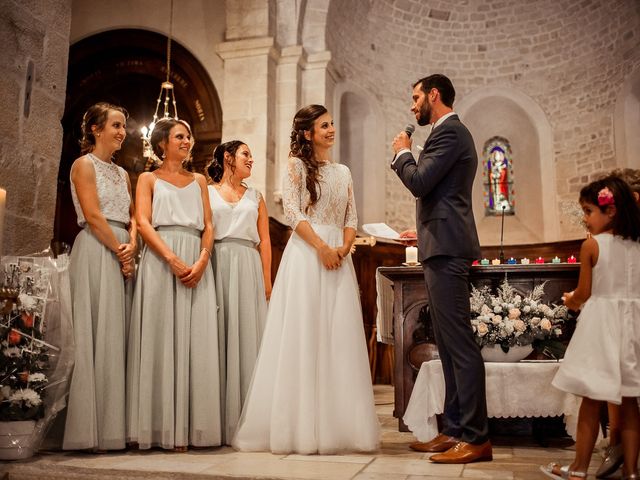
x,y
24,355
509,318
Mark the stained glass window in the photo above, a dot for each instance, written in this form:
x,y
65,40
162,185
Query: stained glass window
x,y
497,176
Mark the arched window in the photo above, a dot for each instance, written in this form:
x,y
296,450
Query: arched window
x,y
497,176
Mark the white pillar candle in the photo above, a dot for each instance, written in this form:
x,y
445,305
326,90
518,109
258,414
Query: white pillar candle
x,y
411,254
3,199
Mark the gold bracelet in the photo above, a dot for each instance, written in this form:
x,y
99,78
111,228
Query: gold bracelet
x,y
206,250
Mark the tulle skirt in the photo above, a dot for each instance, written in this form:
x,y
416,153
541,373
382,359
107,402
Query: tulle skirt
x,y
241,319
173,380
602,361
311,391
100,303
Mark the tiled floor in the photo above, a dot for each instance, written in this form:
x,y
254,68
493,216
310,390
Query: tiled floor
x,y
394,461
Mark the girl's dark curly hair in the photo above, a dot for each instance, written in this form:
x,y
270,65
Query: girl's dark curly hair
x,y
216,167
626,222
97,115
303,148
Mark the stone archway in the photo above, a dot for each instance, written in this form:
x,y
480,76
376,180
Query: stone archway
x,y
126,67
360,146
512,114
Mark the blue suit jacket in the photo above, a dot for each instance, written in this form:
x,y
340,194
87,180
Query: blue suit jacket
x,y
442,181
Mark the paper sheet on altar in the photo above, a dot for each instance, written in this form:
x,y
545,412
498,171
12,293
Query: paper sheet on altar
x,y
381,230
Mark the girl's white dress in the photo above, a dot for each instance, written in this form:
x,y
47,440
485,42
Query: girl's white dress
x,y
311,391
242,305
602,361
101,300
173,371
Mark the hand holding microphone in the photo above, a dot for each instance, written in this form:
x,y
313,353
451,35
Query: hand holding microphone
x,y
402,141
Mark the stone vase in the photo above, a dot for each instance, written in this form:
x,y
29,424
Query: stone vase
x,y
15,439
494,353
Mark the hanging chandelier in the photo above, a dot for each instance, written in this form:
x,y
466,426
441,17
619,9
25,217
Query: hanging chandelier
x,y
166,92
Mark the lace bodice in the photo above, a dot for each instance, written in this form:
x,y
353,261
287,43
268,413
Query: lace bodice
x,y
113,192
335,205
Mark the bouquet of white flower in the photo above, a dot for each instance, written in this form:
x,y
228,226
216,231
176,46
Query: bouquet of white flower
x,y
509,318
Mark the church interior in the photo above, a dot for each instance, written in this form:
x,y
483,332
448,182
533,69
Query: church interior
x,y
549,89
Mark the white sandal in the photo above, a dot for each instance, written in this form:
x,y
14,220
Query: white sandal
x,y
565,473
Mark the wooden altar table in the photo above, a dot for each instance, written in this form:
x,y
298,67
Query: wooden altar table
x,y
413,339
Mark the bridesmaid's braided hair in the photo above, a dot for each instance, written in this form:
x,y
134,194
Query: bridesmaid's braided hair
x,y
303,148
216,167
97,115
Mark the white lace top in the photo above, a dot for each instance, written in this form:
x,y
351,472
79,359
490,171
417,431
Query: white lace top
x,y
335,205
235,220
113,192
177,206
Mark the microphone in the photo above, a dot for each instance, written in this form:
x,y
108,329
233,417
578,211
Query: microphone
x,y
409,129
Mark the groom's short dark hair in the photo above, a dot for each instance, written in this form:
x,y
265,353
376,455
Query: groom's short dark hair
x,y
442,84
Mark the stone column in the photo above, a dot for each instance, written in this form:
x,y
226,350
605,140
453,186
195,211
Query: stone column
x,y
249,102
35,42
318,79
288,88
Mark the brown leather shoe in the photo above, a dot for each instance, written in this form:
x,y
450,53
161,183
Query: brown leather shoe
x,y
465,452
440,443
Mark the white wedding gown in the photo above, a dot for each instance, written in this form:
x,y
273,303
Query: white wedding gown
x,y
311,390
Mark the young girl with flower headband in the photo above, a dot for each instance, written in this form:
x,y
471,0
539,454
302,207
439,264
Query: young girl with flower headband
x,y
613,454
601,362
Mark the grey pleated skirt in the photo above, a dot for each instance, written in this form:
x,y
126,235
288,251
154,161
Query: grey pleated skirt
x,y
241,319
100,297
173,380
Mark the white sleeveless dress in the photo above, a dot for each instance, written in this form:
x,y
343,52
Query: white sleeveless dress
x,y
96,406
241,298
311,391
173,381
602,361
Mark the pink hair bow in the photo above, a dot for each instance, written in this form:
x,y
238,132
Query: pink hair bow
x,y
605,197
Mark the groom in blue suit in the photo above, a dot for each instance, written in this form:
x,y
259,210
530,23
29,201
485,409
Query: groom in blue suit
x,y
441,179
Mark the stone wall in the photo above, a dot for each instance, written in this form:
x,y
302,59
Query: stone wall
x,y
35,40
570,57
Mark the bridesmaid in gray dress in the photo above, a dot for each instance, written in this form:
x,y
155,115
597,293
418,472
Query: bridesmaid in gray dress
x,y
173,366
242,268
101,260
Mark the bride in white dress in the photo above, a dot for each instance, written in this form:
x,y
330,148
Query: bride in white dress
x,y
311,390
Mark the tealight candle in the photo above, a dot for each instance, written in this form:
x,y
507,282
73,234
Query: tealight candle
x,y
411,255
484,261
511,261
495,261
539,260
555,259
572,259
475,262
525,261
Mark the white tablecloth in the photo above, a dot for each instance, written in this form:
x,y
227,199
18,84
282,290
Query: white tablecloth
x,y
520,389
